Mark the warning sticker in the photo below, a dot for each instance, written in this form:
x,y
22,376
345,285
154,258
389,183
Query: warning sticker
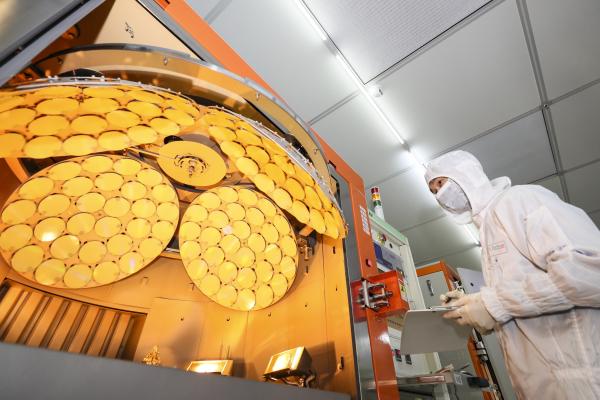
x,y
365,220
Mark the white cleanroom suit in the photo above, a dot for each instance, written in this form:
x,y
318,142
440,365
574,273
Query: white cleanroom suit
x,y
541,264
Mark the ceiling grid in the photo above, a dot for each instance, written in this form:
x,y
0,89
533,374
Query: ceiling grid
x,y
516,107
539,79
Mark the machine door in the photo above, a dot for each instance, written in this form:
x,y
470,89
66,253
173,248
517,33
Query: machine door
x,y
433,285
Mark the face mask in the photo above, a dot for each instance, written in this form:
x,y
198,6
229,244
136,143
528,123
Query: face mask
x,y
453,198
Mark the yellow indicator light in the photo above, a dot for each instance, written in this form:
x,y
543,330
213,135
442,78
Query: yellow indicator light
x,y
222,367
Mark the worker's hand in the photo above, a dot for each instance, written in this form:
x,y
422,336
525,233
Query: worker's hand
x,y
471,311
450,298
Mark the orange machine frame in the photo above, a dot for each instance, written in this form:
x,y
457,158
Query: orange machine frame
x,y
200,30
450,276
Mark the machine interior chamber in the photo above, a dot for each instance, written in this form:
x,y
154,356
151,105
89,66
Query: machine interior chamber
x,y
227,248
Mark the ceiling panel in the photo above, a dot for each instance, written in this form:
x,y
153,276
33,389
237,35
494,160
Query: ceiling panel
x,y
360,137
472,81
275,39
566,36
407,201
437,238
583,187
203,7
375,38
577,124
520,150
553,184
470,259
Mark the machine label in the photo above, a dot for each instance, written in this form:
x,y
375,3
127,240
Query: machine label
x,y
365,220
497,248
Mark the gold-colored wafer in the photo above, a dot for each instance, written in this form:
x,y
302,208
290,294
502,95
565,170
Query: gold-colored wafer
x,y
179,117
98,105
149,177
77,276
119,244
150,248
89,124
197,269
114,140
79,145
53,205
108,181
36,188
246,300
27,258
91,202
227,272
77,186
316,221
48,229
42,147
226,295
14,237
131,262
64,171
275,173
144,109
247,166
164,126
18,212
279,285
232,149
50,272
263,183
106,272
141,134
122,119
80,224
65,247
19,117
48,125
11,144
56,106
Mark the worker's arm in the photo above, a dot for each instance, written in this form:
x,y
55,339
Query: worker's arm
x,y
568,254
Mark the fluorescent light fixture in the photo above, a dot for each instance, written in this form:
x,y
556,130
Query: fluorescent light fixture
x,y
311,19
361,87
219,367
416,159
470,230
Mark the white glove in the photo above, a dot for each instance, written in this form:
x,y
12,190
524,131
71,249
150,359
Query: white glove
x,y
471,311
450,298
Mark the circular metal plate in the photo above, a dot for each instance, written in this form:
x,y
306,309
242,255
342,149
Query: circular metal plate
x,y
192,163
85,116
230,239
88,221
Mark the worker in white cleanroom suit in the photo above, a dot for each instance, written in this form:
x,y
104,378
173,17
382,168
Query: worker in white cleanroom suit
x,y
541,264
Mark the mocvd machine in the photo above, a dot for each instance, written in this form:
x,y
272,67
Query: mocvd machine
x,y
161,204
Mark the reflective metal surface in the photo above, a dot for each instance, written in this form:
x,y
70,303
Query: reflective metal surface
x,y
87,221
192,77
245,268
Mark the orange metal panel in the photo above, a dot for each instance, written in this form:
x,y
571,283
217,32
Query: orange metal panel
x,y
201,31
383,366
440,266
